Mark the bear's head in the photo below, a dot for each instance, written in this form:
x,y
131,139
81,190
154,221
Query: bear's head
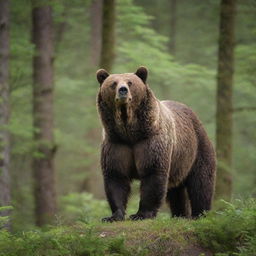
x,y
127,107
118,90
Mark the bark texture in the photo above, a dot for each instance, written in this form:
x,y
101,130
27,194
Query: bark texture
x,y
5,197
43,161
224,133
108,35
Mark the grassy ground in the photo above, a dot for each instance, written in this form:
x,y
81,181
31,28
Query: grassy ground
x,y
150,237
231,231
156,237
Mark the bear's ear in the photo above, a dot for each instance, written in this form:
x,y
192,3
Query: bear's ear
x,y
101,74
142,73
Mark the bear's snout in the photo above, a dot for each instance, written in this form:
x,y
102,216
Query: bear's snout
x,y
123,90
123,95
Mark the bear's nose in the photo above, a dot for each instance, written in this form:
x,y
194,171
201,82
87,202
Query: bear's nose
x,y
123,90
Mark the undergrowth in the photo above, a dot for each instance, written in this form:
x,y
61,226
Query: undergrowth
x,y
61,241
229,232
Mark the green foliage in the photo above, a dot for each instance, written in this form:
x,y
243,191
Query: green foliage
x,y
249,247
62,241
231,231
4,219
83,207
244,120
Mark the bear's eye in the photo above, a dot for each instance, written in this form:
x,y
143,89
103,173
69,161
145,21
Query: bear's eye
x,y
129,83
113,85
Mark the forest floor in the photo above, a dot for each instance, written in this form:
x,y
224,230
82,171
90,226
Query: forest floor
x,y
156,237
228,232
149,237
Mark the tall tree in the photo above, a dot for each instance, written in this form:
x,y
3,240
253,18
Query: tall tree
x,y
173,7
96,26
43,161
108,35
224,98
5,197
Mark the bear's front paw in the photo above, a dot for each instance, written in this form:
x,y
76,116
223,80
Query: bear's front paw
x,y
142,216
117,216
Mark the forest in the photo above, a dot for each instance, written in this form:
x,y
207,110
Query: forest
x,y
200,53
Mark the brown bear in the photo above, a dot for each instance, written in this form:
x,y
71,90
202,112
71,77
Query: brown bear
x,y
161,143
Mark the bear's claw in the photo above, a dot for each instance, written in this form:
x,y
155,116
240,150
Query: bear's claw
x,y
136,217
108,219
111,219
143,215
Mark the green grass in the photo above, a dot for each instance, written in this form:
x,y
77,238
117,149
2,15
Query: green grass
x,y
231,231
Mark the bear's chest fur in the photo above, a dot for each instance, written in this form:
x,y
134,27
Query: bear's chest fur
x,y
124,125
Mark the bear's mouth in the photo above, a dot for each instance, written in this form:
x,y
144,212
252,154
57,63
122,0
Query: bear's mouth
x,y
123,99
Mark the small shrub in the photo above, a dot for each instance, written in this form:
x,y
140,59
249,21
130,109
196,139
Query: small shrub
x,y
229,231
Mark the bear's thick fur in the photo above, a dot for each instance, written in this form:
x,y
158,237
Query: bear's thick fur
x,y
161,143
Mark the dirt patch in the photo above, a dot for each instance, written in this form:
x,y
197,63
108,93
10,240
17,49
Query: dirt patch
x,y
174,248
195,250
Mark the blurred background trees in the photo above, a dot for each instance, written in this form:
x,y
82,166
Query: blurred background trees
x,y
224,115
107,49
44,150
144,32
5,192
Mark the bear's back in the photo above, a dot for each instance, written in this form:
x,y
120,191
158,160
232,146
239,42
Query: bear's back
x,y
187,140
175,105
182,113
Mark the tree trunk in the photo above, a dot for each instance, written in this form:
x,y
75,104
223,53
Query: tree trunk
x,y
108,35
43,160
5,198
224,99
96,28
172,45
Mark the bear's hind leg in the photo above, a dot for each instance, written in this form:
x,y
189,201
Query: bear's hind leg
x,y
200,186
177,198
